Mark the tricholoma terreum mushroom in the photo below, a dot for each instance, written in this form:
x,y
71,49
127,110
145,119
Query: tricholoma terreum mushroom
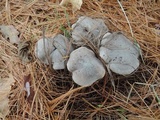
x,y
119,53
90,29
85,67
55,50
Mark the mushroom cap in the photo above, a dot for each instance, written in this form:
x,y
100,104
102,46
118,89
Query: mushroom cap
x,y
57,60
43,49
119,61
117,41
54,50
87,28
119,53
85,67
62,51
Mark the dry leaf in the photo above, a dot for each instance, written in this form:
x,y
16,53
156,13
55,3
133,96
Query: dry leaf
x,y
10,33
5,87
24,51
76,4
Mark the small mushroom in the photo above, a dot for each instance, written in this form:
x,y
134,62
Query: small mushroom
x,y
54,50
85,67
90,29
119,53
62,51
43,49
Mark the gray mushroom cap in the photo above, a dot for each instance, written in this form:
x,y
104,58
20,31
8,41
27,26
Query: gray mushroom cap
x,y
54,50
119,53
85,67
43,49
90,29
62,51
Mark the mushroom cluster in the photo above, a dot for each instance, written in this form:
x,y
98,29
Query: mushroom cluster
x,y
118,52
53,50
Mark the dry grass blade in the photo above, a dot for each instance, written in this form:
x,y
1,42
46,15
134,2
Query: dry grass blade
x,y
62,97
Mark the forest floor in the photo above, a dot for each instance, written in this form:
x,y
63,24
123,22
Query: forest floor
x,y
54,96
